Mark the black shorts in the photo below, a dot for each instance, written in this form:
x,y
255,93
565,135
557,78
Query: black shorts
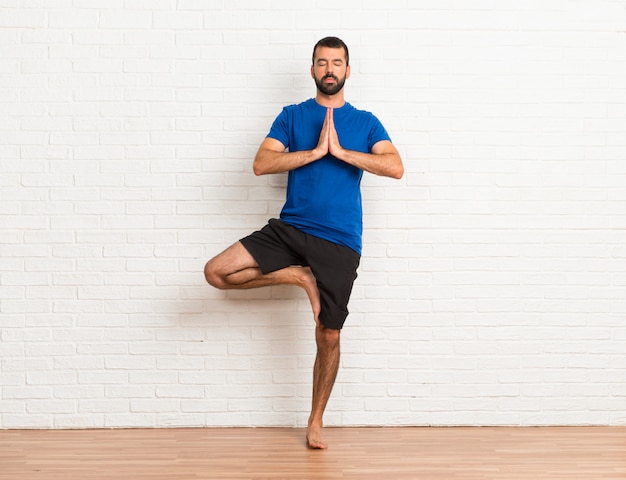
x,y
279,245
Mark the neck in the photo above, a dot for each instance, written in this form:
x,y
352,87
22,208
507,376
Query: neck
x,y
330,101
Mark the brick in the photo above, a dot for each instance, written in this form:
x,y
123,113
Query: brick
x,y
22,18
490,290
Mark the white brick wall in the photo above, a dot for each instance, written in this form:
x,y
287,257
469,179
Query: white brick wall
x,y
493,280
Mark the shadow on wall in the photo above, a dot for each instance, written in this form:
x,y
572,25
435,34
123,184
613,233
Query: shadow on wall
x,y
257,349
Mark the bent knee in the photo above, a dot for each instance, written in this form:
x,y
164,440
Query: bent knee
x,y
213,277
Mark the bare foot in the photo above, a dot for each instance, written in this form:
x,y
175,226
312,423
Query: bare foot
x,y
309,283
314,438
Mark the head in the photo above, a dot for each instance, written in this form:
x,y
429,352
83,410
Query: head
x,y
331,65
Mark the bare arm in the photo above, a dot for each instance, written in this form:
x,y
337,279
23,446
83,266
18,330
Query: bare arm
x,y
383,160
272,158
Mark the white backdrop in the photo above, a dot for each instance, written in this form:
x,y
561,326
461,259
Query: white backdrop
x,y
493,281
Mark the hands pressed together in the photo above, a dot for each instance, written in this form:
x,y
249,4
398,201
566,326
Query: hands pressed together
x,y
329,140
382,160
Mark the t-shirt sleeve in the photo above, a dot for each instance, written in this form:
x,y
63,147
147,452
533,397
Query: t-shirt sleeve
x,y
280,128
377,133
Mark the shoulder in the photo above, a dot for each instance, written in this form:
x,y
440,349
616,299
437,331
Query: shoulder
x,y
359,113
302,106
366,121
363,117
297,111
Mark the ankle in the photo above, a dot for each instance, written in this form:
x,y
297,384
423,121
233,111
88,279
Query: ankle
x,y
315,422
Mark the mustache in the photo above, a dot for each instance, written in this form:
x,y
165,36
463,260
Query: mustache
x,y
330,75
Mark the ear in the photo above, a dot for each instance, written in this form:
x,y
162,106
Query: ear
x,y
312,72
348,71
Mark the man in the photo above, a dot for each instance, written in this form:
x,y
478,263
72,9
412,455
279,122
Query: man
x,y
325,144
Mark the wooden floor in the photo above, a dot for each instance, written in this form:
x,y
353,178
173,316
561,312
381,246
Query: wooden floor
x,y
572,453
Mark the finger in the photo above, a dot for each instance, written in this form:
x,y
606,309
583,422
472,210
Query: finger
x,y
331,126
329,122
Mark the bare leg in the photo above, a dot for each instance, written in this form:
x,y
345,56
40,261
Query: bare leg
x,y
235,268
324,375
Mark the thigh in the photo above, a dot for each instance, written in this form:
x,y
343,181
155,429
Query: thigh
x,y
276,246
234,259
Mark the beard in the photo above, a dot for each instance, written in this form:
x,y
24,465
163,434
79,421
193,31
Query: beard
x,y
329,89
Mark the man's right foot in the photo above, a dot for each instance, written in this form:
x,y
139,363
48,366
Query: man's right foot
x,y
309,283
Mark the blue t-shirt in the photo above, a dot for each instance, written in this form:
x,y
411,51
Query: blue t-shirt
x,y
324,197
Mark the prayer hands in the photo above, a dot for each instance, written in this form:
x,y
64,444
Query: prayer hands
x,y
329,140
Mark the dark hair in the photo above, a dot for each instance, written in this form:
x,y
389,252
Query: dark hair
x,y
332,42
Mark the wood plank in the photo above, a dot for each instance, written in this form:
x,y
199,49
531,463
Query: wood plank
x,y
400,453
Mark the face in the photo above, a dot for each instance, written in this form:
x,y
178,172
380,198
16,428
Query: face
x,y
329,70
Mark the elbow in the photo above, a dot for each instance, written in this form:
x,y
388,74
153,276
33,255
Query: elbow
x,y
394,167
397,172
258,168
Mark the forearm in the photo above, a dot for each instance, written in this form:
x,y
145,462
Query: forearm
x,y
270,161
383,164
